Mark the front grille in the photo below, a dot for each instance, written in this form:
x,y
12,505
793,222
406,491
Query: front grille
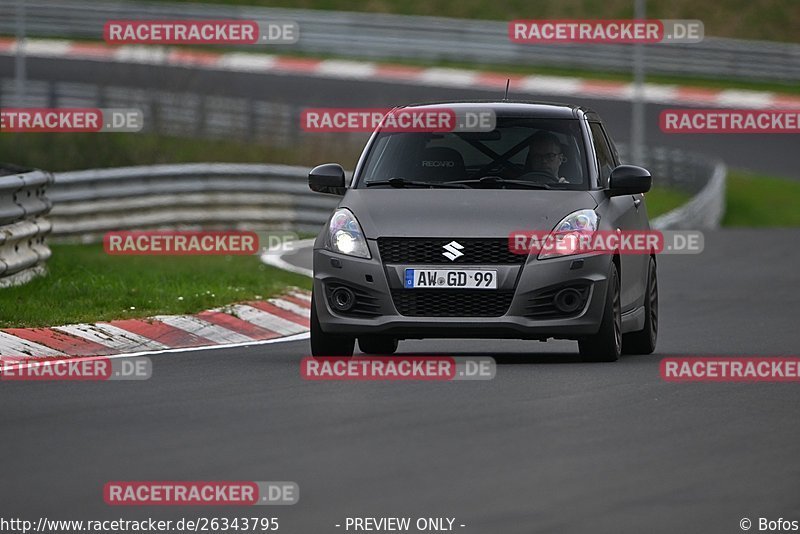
x,y
431,250
542,305
451,302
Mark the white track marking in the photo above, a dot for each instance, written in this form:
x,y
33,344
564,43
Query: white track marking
x,y
246,62
291,307
346,69
203,328
277,260
448,77
111,336
14,346
297,337
300,295
559,85
266,320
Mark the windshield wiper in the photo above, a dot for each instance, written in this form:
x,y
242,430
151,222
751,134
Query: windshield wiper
x,y
496,180
402,182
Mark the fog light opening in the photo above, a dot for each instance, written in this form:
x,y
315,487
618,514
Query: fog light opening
x,y
342,299
568,300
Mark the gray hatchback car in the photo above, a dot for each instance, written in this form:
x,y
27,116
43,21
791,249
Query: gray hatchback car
x,y
419,245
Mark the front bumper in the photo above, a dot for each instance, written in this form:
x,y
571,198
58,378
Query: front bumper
x,y
374,282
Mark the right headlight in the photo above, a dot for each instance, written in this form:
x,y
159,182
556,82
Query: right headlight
x,y
564,239
345,235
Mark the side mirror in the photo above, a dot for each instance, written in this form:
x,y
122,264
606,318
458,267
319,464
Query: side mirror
x,y
629,180
328,178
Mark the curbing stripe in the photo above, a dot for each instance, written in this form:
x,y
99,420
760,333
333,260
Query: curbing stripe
x,y
231,322
111,336
304,297
283,313
267,320
298,301
301,310
65,343
236,325
363,70
12,346
200,327
161,332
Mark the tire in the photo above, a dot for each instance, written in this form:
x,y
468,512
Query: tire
x,y
606,344
380,346
644,341
323,344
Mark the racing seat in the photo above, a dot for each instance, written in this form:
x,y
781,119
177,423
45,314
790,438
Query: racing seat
x,y
439,164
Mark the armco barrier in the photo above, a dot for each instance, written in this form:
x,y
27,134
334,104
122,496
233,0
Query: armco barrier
x,y
208,195
219,195
376,36
23,227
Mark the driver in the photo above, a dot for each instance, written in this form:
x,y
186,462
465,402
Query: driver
x,y
545,156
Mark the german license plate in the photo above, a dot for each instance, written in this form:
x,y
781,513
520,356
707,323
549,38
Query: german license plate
x,y
450,279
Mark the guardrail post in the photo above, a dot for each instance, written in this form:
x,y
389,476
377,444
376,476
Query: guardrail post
x,y
23,227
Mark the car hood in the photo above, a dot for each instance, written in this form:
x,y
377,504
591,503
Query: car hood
x,y
460,212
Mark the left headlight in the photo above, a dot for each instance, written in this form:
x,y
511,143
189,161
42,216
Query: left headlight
x,y
564,239
345,235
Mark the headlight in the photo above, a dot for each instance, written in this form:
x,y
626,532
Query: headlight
x,y
564,240
345,235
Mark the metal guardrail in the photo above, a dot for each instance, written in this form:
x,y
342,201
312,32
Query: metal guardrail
x,y
187,114
218,195
376,36
207,195
23,205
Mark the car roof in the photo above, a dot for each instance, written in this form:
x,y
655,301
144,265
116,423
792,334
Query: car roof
x,y
549,110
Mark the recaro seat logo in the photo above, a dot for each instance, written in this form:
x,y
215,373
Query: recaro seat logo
x,y
438,163
453,249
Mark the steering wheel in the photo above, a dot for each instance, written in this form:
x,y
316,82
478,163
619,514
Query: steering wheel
x,y
535,176
503,170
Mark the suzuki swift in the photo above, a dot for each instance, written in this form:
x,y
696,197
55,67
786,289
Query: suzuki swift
x,y
419,244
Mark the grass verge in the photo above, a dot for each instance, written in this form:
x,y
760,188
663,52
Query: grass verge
x,y
759,201
85,284
661,200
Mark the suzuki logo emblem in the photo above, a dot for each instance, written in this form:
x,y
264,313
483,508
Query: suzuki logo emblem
x,y
453,249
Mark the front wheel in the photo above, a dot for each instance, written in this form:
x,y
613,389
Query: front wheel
x,y
606,344
644,341
323,344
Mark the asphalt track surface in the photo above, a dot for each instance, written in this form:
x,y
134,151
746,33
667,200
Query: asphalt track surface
x,y
773,154
550,445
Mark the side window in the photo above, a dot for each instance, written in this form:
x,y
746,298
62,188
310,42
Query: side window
x,y
605,160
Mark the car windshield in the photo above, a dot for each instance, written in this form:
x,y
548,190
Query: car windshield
x,y
520,153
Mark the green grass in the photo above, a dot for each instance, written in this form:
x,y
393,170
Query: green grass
x,y
775,20
661,200
758,201
84,284
64,151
